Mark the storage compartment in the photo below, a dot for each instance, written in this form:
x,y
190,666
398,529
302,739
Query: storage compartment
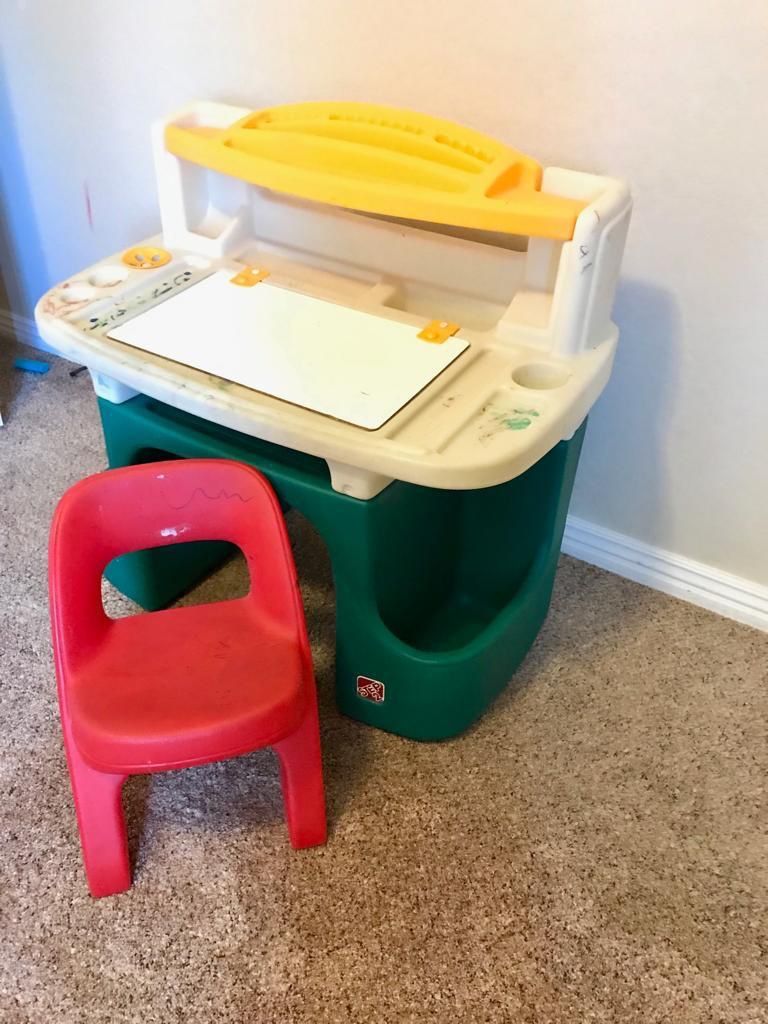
x,y
449,569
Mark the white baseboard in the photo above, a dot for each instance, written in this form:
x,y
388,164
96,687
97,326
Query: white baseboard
x,y
22,328
733,596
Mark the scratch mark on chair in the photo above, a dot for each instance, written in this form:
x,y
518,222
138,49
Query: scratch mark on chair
x,y
211,497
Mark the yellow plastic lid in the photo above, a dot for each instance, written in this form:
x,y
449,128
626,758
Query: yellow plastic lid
x,y
386,161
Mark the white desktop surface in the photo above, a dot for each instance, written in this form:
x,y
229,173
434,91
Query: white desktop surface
x,y
355,366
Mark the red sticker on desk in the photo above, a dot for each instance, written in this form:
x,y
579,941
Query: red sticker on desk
x,y
370,689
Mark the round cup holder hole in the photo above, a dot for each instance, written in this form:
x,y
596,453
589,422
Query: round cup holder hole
x,y
78,293
108,277
540,376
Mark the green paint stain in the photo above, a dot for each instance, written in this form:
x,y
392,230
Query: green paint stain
x,y
512,419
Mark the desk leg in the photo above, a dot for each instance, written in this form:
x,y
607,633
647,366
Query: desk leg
x,y
440,594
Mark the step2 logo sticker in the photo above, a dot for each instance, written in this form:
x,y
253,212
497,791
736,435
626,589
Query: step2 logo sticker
x,y
370,689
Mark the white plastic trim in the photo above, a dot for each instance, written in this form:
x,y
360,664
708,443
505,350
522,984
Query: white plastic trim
x,y
732,596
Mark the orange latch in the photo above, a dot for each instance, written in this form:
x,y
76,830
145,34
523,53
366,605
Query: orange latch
x,y
249,276
438,331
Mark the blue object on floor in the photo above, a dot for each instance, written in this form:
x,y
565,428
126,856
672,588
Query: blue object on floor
x,y
32,365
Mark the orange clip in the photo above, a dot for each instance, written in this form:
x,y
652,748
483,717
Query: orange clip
x,y
249,276
438,331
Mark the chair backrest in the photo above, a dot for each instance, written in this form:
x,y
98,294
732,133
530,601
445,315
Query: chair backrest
x,y
154,505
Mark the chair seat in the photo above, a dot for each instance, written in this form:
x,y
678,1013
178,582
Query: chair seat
x,y
186,686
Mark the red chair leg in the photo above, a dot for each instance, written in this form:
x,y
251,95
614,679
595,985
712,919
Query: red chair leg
x,y
102,826
301,776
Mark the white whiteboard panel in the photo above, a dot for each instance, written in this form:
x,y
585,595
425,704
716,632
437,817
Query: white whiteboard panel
x,y
354,366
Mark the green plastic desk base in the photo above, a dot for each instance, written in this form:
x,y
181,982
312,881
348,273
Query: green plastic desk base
x,y
439,594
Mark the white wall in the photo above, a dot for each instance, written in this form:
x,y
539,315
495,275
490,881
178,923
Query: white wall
x,y
670,95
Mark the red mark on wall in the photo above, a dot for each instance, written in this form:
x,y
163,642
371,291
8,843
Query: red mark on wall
x,y
88,206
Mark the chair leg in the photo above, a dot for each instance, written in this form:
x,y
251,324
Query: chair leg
x,y
102,826
301,777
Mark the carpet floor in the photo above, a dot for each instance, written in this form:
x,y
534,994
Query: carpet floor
x,y
594,849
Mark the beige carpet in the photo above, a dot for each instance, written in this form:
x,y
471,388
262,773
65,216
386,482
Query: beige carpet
x,y
594,850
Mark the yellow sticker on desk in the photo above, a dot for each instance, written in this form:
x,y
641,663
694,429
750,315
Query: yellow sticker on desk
x,y
438,331
146,257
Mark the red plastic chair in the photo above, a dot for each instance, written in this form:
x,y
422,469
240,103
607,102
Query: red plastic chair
x,y
183,686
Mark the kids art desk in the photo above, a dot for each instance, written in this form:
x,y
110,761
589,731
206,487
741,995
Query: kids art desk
x,y
403,323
